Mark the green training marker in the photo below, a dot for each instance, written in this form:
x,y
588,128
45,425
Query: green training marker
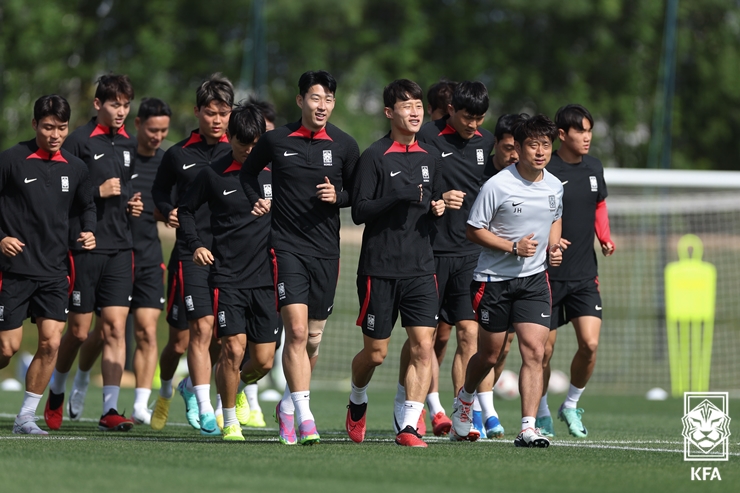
x,y
690,293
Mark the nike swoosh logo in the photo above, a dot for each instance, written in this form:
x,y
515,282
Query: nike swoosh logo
x,y
66,310
29,181
515,204
229,192
597,307
288,154
394,173
188,166
134,176
564,182
276,331
445,154
98,156
544,316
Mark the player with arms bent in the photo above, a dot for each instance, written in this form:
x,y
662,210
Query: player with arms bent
x,y
516,218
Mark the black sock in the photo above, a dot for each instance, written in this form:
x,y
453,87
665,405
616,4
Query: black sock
x,y
55,400
357,411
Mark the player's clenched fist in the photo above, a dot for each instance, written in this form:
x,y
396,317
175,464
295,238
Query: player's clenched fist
x,y
453,199
135,206
526,247
438,207
203,256
87,239
11,246
110,188
261,207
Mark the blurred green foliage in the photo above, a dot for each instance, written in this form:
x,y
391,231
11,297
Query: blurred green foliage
x,y
534,56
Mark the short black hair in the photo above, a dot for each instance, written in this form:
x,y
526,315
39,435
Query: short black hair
x,y
439,94
215,88
401,90
267,108
246,122
506,123
471,97
111,86
151,107
572,115
535,126
51,105
313,77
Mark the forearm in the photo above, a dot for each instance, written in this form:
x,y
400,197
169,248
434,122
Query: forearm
x,y
368,209
487,239
188,228
556,231
601,225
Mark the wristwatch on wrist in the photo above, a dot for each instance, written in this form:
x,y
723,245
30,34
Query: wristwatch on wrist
x,y
513,249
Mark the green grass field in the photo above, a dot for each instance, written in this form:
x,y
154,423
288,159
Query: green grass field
x,y
634,445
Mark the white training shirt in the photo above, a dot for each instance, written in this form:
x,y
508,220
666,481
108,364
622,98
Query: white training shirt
x,y
511,208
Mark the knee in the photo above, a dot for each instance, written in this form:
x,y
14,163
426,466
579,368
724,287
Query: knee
x,y
264,361
7,350
179,346
423,351
232,351
313,342
589,348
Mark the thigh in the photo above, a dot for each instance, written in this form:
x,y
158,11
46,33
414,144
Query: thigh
x,y
148,289
492,303
50,300
116,280
531,303
176,297
457,305
15,297
378,306
196,291
88,269
262,324
291,279
323,275
418,301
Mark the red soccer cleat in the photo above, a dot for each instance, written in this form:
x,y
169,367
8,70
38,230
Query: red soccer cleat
x,y
53,417
441,424
356,429
421,425
112,421
408,437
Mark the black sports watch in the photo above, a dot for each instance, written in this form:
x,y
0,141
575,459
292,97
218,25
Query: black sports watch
x,y
513,249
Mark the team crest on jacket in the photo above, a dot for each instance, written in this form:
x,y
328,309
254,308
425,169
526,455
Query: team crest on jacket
x,y
594,184
65,184
126,158
481,158
425,173
552,202
327,158
267,188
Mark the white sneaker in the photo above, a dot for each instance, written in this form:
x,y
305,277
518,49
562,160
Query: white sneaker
x,y
26,425
531,437
462,422
142,416
76,403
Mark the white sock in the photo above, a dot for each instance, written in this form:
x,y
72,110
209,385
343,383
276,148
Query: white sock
x,y
411,412
485,401
189,385
30,404
469,398
301,400
434,405
230,416
82,379
219,405
141,398
286,403
58,382
476,404
251,392
166,389
203,395
110,398
544,410
574,393
527,422
358,395
398,405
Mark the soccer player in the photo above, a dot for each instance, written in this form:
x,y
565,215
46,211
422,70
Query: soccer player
x,y
516,219
397,194
439,97
188,282
312,165
575,285
40,183
241,277
102,277
464,148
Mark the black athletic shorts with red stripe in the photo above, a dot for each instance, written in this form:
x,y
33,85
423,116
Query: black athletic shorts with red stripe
x,y
249,311
382,299
148,289
306,280
499,304
573,299
101,280
21,298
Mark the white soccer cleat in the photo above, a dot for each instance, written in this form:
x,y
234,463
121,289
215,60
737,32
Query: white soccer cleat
x,y
531,438
76,403
462,422
142,416
26,425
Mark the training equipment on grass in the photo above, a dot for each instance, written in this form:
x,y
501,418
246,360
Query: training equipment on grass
x,y
690,293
